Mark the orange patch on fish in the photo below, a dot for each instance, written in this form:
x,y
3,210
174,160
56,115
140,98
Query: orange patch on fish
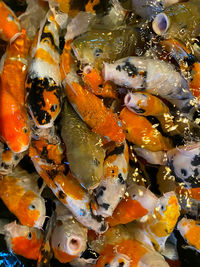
x,y
66,60
63,257
6,156
27,248
127,211
102,120
142,133
89,7
44,56
111,171
9,23
193,234
195,82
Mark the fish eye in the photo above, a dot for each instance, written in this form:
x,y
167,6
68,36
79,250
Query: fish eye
x,y
31,207
58,245
25,130
162,207
29,236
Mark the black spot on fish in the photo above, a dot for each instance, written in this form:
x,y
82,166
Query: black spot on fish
x,y
16,157
118,68
52,173
5,147
116,151
96,162
133,196
196,160
103,227
89,254
82,212
61,195
107,265
98,52
196,172
130,69
50,161
53,108
105,206
61,43
100,191
4,165
44,152
190,59
138,110
184,172
121,180
121,264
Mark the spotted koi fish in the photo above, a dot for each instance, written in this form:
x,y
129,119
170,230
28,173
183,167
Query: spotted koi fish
x,y
114,180
8,159
9,25
43,80
156,77
23,240
69,237
140,131
117,248
19,191
138,201
92,110
190,231
161,222
47,159
13,116
184,163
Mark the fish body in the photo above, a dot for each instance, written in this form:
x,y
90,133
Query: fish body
x,y
136,203
43,80
180,21
140,131
190,229
9,25
19,191
92,110
161,222
104,45
83,147
23,240
13,115
69,237
65,187
118,248
184,163
115,172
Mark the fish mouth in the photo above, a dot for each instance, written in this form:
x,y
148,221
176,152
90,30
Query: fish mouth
x,y
74,245
161,24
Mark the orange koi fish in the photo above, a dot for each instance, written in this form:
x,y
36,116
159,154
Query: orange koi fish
x,y
92,110
69,237
23,240
161,222
137,202
117,248
141,132
19,191
13,116
66,188
114,180
93,79
9,24
189,64
8,159
43,79
190,231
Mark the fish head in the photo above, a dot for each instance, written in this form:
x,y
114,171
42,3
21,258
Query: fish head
x,y
23,240
32,210
68,240
167,213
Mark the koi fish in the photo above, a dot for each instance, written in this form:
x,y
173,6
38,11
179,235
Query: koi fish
x,y
178,21
69,237
117,248
190,230
83,146
23,240
8,159
9,25
184,163
92,110
140,131
13,116
138,201
65,187
114,180
43,79
19,191
161,222
154,76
